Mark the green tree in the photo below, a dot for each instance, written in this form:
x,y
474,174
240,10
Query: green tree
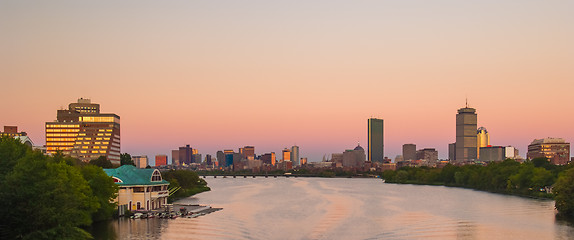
x,y
102,162
104,189
46,199
564,193
126,159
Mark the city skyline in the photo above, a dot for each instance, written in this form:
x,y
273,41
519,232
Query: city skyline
x,y
272,75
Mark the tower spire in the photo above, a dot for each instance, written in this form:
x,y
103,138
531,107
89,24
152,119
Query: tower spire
x,y
466,102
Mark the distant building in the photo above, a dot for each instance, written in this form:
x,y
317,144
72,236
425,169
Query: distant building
x,y
140,161
303,161
268,158
556,150
175,158
220,158
185,155
295,156
208,160
409,151
376,144
286,155
142,189
160,160
355,157
12,131
466,121
482,139
430,155
452,151
497,153
248,152
84,133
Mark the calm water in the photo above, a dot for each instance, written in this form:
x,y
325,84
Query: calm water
x,y
320,208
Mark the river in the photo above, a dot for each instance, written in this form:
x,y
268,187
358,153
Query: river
x,y
345,208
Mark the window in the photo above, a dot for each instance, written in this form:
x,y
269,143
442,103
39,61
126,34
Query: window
x,y
156,176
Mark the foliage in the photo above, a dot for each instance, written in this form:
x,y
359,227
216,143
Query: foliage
x,y
47,197
104,189
126,159
189,182
530,178
102,162
564,193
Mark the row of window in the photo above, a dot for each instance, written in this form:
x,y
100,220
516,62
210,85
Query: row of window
x,y
59,144
62,126
61,134
93,151
60,139
62,130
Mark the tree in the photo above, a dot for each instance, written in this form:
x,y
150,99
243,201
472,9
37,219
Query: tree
x,y
102,162
126,159
104,189
43,198
564,193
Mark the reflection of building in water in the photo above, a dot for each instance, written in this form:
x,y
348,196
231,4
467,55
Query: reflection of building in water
x,y
140,189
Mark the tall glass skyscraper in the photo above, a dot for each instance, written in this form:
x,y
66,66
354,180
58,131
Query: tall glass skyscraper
x,y
376,140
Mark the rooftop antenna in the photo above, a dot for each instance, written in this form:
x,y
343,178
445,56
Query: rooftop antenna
x,y
466,102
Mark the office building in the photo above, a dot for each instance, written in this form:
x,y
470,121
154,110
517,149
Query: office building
x,y
140,161
175,158
452,151
160,160
466,121
303,161
84,133
220,158
556,150
286,155
409,151
12,131
355,157
482,139
497,153
208,160
185,155
248,152
268,158
376,146
430,155
295,156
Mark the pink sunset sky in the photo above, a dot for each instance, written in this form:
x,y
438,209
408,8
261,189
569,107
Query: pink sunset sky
x,y
225,74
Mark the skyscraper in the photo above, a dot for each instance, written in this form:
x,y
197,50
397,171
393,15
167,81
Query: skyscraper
x,y
286,155
409,152
466,142
84,133
295,156
376,140
482,139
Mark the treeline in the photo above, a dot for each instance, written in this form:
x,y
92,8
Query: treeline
x,y
531,178
188,181
50,197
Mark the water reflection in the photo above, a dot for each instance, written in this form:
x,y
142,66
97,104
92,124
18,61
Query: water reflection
x,y
317,208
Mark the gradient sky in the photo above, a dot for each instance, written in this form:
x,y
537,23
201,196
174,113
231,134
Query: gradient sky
x,y
225,74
